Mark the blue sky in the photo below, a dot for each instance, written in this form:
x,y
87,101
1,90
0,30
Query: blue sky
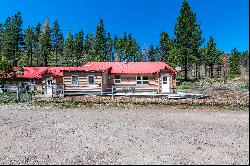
x,y
226,20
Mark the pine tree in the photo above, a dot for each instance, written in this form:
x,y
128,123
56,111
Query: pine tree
x,y
145,55
123,45
157,54
203,52
188,37
8,41
151,54
18,37
128,48
11,38
68,49
211,55
78,48
60,49
45,43
37,35
5,69
57,43
1,38
100,43
165,47
29,45
110,48
5,66
89,51
235,61
119,48
137,52
245,59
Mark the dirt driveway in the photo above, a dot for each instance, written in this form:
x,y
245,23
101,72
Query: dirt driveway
x,y
122,136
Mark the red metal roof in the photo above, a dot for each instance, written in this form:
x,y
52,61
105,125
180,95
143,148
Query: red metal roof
x,y
37,72
134,67
116,68
56,71
33,72
87,67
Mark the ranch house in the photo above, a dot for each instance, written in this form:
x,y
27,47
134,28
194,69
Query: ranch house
x,y
100,77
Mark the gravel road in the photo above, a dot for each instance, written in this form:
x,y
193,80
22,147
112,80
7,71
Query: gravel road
x,y
122,136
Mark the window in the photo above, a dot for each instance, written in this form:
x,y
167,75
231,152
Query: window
x,y
117,79
74,80
91,80
142,80
165,80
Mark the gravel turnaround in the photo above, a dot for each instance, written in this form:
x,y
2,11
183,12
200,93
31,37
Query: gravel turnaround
x,y
123,136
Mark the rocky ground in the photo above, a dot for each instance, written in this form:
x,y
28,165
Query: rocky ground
x,y
30,135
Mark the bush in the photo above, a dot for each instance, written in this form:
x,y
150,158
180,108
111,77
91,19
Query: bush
x,y
186,85
219,79
231,76
244,86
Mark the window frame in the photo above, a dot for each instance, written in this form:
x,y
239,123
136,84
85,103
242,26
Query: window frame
x,y
76,76
115,79
93,79
142,80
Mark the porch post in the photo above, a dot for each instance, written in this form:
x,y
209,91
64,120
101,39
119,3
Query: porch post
x,y
101,83
159,83
63,89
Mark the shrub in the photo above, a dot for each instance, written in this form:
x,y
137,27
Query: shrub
x,y
232,76
244,86
219,79
186,85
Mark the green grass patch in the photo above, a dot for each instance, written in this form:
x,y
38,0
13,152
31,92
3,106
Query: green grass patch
x,y
244,86
232,76
186,85
219,79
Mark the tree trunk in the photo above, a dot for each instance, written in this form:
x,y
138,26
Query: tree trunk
x,y
199,71
56,57
211,72
205,66
196,70
186,70
45,60
31,57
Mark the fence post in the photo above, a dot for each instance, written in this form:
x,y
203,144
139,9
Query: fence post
x,y
63,89
17,93
112,93
30,91
45,88
52,90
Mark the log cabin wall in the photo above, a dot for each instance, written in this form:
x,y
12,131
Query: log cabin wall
x,y
105,84
129,80
37,82
82,86
39,85
56,80
172,80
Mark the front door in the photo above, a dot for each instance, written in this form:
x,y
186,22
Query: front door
x,y
165,84
49,86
